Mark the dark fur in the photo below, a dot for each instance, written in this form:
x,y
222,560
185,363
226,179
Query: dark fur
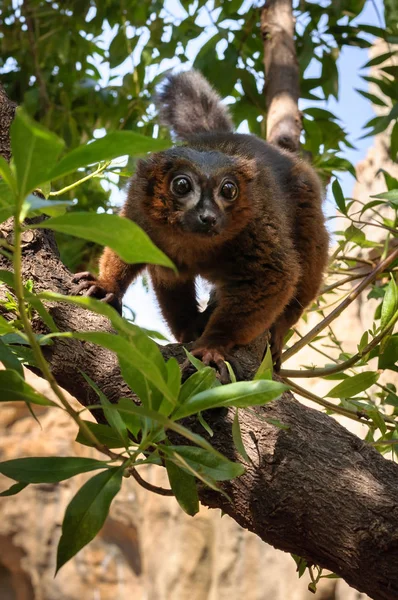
x,y
187,104
267,260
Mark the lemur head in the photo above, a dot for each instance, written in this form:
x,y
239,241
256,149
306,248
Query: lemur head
x,y
205,193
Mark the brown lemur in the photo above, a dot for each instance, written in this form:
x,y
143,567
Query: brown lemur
x,y
231,208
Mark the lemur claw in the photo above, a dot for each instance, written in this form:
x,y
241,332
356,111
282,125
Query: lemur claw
x,y
91,287
211,356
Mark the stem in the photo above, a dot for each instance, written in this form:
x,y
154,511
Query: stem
x,y
356,259
342,306
346,412
40,360
99,170
338,368
338,284
148,486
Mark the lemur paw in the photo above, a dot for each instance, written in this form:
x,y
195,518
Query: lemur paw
x,y
90,286
212,356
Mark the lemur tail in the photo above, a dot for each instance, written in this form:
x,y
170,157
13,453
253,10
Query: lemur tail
x,y
188,104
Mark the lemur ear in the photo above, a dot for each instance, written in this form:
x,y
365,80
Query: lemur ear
x,y
144,167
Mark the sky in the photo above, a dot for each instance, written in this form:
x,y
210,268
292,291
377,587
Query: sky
x,y
353,110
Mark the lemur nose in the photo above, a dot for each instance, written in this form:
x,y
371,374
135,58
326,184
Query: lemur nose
x,y
208,219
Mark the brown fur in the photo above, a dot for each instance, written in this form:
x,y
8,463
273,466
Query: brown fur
x,y
266,259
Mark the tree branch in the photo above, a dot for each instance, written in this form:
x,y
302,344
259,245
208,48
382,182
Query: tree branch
x,y
281,74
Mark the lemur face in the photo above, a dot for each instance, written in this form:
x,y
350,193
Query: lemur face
x,y
202,193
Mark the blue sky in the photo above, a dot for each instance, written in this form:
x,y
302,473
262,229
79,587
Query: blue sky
x,y
351,108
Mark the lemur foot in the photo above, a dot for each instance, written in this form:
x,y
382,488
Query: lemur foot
x,y
212,357
91,286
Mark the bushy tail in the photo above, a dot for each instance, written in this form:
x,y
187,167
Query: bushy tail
x,y
188,104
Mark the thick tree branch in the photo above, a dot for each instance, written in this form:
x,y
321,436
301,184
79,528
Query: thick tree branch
x,y
281,74
312,488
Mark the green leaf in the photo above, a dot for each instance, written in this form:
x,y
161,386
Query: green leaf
x,y
9,359
113,145
173,376
35,151
194,361
133,422
15,489
7,277
198,382
391,195
389,357
231,372
86,513
378,60
167,423
266,368
240,394
237,437
114,419
48,469
390,304
126,238
104,434
8,176
206,463
13,387
173,383
374,99
339,196
353,385
394,148
184,488
6,326
48,207
205,424
39,307
128,353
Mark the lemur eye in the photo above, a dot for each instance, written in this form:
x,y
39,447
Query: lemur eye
x,y
181,186
229,190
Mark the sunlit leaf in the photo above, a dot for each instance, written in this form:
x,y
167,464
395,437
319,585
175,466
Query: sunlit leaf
x,y
390,303
240,394
35,151
237,437
113,145
218,468
128,240
353,385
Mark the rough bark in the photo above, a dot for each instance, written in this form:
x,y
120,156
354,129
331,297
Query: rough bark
x,y
7,112
281,74
313,489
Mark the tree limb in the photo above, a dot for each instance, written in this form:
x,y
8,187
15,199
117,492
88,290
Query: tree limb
x,y
281,74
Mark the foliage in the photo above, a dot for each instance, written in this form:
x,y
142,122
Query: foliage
x,y
86,67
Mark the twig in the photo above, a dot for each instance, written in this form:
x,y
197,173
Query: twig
x,y
342,306
148,486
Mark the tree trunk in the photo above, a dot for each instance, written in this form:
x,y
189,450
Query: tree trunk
x,y
282,74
